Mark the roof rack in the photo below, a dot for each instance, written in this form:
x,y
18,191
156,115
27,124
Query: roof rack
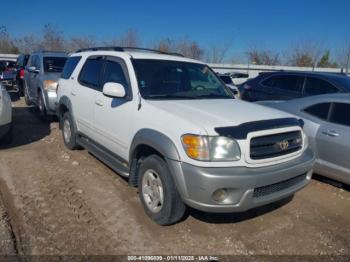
x,y
127,48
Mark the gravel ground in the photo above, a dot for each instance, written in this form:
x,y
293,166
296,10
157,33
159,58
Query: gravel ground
x,y
64,202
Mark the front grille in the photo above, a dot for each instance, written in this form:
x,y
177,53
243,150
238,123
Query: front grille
x,y
270,189
275,145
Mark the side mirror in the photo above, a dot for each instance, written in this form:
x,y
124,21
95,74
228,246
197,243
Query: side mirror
x,y
33,69
114,90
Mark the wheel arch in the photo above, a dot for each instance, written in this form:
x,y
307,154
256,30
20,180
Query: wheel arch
x,y
145,143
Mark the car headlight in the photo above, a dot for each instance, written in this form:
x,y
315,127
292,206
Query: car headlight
x,y
211,148
50,85
306,140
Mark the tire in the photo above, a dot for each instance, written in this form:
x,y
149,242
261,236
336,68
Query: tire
x,y
42,109
68,132
8,137
26,96
157,186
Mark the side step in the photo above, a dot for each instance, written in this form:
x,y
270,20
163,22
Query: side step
x,y
104,155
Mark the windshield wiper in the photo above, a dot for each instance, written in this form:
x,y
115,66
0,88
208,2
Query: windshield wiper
x,y
213,95
166,96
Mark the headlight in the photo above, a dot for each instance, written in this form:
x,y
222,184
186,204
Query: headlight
x,y
50,85
211,148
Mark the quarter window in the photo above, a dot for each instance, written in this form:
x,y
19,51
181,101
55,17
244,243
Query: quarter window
x,y
316,86
90,73
319,110
340,114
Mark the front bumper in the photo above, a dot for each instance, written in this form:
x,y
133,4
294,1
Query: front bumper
x,y
247,187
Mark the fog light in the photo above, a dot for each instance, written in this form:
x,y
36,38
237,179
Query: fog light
x,y
220,195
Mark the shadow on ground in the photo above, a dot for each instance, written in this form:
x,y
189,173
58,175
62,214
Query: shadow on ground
x,y
27,127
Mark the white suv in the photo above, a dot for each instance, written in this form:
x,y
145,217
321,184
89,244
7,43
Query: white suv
x,y
5,116
170,125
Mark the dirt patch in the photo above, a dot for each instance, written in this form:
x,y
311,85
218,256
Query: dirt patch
x,y
64,202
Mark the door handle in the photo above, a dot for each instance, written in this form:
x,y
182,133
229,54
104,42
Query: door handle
x,y
331,133
99,103
73,93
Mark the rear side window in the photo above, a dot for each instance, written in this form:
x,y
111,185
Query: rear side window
x,y
319,110
90,73
54,64
340,114
316,86
69,66
285,82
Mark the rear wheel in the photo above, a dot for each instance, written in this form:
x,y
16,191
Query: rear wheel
x,y
158,193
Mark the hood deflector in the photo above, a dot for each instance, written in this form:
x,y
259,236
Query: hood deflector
x,y
241,131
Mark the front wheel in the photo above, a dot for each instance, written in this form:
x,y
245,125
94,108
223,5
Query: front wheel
x,y
68,132
157,191
26,96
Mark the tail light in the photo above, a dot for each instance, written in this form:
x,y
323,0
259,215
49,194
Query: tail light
x,y
21,73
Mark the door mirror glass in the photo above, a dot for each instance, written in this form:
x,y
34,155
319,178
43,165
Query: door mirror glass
x,y
33,69
114,90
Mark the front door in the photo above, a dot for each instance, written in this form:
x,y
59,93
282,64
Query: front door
x,y
112,116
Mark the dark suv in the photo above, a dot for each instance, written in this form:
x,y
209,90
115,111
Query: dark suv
x,y
289,85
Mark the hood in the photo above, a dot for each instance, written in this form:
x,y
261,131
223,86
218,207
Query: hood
x,y
212,113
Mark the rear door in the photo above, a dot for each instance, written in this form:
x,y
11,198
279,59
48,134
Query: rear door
x,y
112,124
333,138
83,94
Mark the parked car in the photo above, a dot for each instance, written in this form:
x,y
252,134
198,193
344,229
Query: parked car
x,y
41,77
8,73
172,127
20,69
228,81
5,116
327,125
289,85
239,78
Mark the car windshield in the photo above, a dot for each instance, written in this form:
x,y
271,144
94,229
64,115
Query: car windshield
x,y
54,64
226,79
161,79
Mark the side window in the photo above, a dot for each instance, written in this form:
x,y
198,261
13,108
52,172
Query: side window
x,y
289,83
90,73
316,86
269,82
69,66
319,110
340,114
114,73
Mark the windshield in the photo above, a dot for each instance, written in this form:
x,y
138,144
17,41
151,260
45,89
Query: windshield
x,y
161,79
54,64
343,81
